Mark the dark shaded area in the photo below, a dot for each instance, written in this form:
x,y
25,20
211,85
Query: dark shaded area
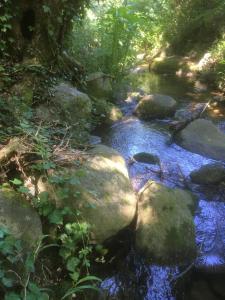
x,y
27,24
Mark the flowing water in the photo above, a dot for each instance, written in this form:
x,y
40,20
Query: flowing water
x,y
130,136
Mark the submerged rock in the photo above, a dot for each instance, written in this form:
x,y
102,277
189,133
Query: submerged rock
x,y
203,137
101,192
155,106
209,174
147,158
165,232
19,218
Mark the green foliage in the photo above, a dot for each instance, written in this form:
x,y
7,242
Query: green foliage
x,y
6,15
17,267
72,239
196,24
112,34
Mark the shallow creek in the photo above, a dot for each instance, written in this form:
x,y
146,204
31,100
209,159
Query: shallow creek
x,y
130,136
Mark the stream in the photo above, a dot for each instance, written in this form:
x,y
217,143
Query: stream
x,y
130,136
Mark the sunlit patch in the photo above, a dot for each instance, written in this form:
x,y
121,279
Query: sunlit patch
x,y
211,261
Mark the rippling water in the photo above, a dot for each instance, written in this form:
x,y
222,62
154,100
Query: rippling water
x,y
131,136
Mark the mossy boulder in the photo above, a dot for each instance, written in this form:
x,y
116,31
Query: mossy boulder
x,y
71,103
105,112
19,218
209,174
99,84
167,65
155,107
203,137
68,106
165,232
103,195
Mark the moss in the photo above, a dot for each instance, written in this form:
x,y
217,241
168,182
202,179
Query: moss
x,y
166,227
19,217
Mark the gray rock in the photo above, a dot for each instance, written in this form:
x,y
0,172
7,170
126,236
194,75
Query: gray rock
x,y
190,112
68,106
209,174
99,84
21,220
71,104
165,232
203,137
106,199
155,107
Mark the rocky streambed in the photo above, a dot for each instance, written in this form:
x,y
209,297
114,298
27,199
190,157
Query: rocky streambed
x,y
203,276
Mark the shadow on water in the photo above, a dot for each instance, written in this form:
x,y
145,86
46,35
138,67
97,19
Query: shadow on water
x,y
130,136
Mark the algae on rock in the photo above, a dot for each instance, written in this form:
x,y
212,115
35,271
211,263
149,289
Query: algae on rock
x,y
165,232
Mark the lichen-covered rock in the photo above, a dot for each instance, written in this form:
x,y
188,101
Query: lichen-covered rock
x,y
203,137
147,158
68,106
19,218
71,103
155,106
209,174
103,195
99,84
165,232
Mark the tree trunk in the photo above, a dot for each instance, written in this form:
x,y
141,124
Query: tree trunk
x,y
39,28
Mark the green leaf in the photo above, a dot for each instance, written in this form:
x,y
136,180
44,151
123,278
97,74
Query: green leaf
x,y
29,263
34,288
12,296
89,278
80,289
16,181
74,181
46,9
2,273
56,217
23,189
8,282
72,263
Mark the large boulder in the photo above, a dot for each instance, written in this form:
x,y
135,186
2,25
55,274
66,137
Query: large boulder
x,y
68,106
166,65
101,192
19,218
209,174
165,232
71,103
99,84
203,137
155,106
